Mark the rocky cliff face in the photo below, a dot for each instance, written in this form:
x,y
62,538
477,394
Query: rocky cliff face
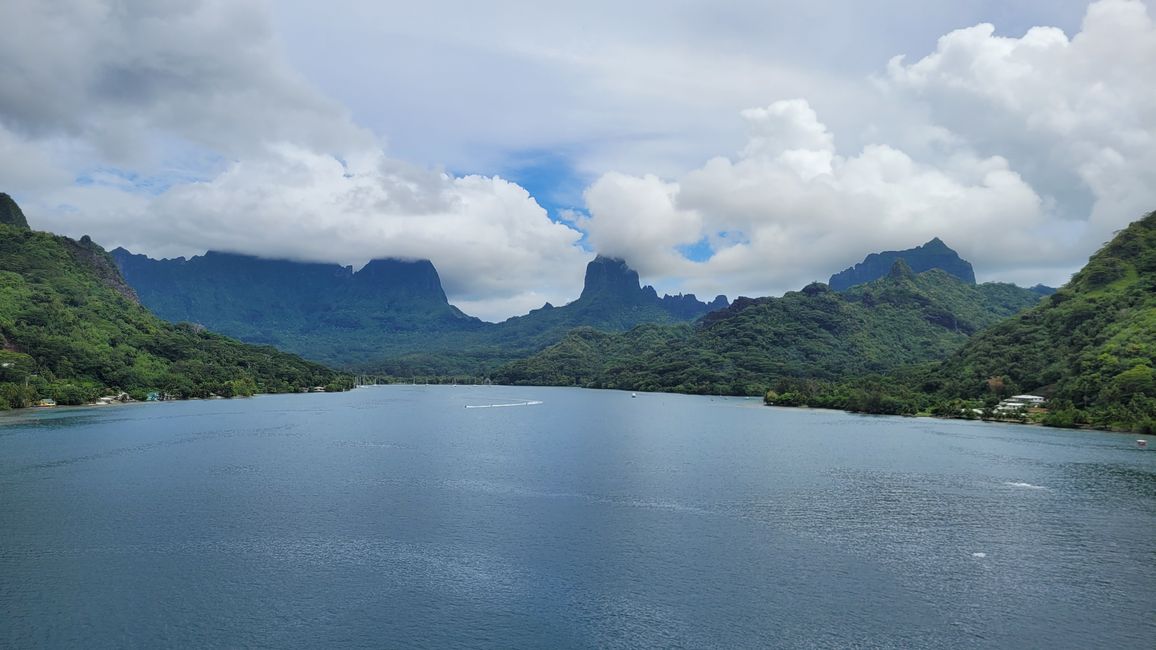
x,y
932,255
289,303
611,281
101,264
387,309
417,280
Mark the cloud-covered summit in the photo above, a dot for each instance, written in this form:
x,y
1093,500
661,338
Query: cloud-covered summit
x,y
173,128
1017,133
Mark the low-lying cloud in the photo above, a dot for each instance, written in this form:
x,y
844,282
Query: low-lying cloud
x,y
175,128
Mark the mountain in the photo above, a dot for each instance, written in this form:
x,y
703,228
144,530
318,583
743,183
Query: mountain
x,y
321,311
11,214
932,255
390,317
902,318
71,329
612,300
1090,347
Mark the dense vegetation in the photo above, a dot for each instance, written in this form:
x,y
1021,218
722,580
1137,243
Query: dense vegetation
x,y
390,318
11,214
933,255
324,312
1090,347
71,330
814,334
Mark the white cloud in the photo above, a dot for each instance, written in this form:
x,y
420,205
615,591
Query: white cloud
x,y
491,242
191,132
647,86
639,220
788,209
1025,154
173,127
1077,116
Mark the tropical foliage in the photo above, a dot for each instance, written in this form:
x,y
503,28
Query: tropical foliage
x,y
71,330
389,318
814,334
1090,347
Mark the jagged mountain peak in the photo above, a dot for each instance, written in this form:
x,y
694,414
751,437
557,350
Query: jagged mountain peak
x,y
610,277
934,254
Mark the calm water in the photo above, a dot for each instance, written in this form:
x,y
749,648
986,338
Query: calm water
x,y
394,517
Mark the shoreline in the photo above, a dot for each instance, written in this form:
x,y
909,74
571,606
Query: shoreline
x,y
36,408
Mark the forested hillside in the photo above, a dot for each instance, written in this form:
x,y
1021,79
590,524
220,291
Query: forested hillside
x,y
815,333
390,317
71,330
1090,347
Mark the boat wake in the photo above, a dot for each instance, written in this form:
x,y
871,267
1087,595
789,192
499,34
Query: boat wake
x,y
494,406
1025,485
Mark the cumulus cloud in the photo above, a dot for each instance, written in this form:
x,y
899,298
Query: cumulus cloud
x,y
1076,115
172,128
1030,152
493,245
788,209
639,220
647,86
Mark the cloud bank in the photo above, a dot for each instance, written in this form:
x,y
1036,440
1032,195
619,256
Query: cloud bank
x,y
172,128
175,127
1028,154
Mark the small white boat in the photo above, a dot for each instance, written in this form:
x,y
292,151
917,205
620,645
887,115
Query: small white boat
x,y
634,394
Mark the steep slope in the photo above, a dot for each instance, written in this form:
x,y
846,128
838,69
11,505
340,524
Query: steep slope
x,y
900,319
612,300
1091,346
932,255
70,329
11,214
390,317
321,311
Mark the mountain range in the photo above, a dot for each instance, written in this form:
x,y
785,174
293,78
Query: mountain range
x,y
72,327
390,316
902,318
933,255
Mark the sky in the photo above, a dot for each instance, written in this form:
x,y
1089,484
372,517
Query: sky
x,y
744,147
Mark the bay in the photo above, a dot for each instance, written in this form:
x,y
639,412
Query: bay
x,y
396,517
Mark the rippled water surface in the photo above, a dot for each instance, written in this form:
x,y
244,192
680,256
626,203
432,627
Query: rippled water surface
x,y
394,517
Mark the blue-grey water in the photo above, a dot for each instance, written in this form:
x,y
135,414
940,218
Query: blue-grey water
x,y
395,517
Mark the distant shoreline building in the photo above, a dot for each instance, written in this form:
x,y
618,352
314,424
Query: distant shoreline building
x,y
1020,403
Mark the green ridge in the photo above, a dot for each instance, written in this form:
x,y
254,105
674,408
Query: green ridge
x,y
754,344
71,330
1090,347
11,214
